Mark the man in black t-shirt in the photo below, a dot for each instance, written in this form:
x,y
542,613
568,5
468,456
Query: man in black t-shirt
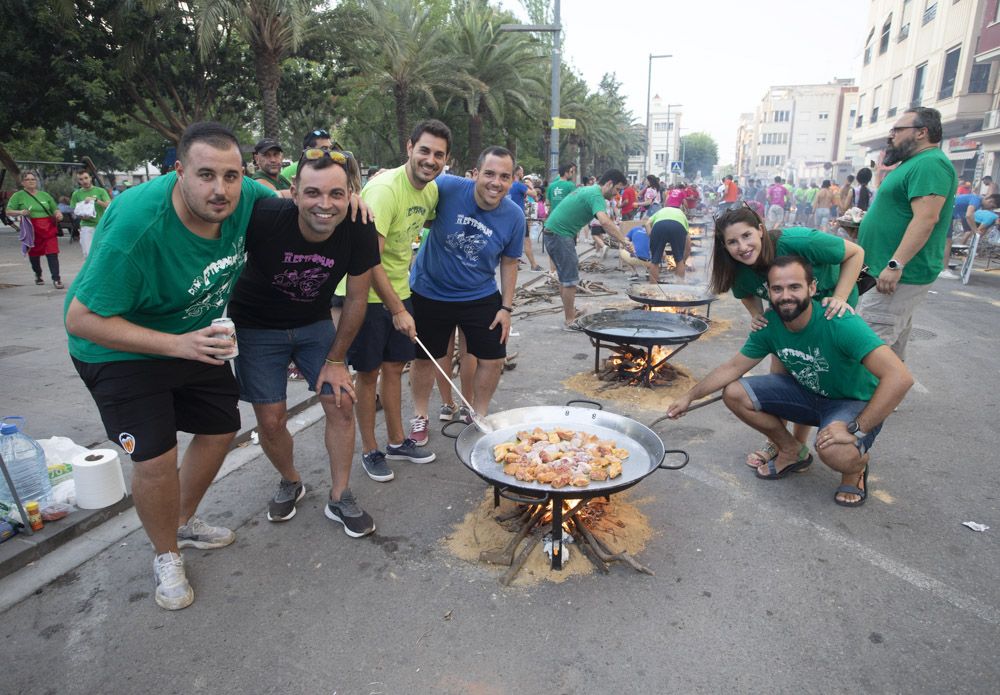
x,y
297,252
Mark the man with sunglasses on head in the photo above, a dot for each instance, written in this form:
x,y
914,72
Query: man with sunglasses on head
x,y
476,230
905,230
402,199
298,250
319,139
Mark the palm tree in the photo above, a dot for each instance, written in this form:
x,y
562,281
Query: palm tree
x,y
274,30
496,66
404,58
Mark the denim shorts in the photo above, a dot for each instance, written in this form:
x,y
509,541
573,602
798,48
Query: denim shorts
x,y
562,251
265,353
781,395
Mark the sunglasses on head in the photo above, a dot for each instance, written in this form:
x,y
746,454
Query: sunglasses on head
x,y
320,134
338,156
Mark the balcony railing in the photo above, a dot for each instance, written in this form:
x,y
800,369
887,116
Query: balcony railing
x,y
929,14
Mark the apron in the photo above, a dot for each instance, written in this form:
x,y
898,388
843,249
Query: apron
x,y
45,236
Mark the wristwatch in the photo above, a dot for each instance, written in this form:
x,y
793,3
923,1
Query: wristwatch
x,y
894,265
854,428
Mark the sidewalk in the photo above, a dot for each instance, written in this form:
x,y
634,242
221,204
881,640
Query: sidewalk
x,y
41,385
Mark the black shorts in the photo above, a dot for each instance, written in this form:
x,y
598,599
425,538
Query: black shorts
x,y
436,322
378,341
664,232
143,403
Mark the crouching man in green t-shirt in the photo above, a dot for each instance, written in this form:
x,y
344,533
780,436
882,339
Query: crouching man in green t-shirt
x,y
840,377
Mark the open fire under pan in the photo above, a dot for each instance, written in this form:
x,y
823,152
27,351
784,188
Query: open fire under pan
x,y
675,296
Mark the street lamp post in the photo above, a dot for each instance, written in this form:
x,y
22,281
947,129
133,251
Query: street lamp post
x,y
556,30
649,126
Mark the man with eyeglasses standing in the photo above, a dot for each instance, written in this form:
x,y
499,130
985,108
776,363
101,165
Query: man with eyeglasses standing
x,y
298,250
906,227
402,199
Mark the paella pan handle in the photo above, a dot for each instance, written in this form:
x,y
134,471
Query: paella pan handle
x,y
675,468
444,428
508,495
598,406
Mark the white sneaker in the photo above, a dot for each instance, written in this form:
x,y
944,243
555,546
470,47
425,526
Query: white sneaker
x,y
197,534
173,591
948,275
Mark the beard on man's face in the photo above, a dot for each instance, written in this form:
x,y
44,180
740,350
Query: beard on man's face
x,y
790,309
899,153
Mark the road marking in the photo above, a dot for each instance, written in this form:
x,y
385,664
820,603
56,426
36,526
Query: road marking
x,y
898,569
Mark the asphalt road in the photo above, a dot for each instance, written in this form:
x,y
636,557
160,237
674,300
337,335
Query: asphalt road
x,y
759,585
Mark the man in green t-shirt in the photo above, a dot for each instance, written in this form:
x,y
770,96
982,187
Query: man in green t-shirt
x,y
101,200
267,157
562,226
840,377
561,187
139,318
905,230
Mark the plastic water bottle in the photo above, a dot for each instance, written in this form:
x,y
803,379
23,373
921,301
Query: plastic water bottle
x,y
25,461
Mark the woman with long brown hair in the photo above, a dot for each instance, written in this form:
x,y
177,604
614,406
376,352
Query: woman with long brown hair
x,y
741,256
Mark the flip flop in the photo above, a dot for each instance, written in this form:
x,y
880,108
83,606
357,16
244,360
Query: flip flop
x,y
800,465
852,490
768,451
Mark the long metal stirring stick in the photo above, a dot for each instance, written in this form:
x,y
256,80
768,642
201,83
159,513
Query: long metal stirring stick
x,y
478,420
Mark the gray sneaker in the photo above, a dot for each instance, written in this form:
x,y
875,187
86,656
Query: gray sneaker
x,y
357,522
197,534
376,467
447,412
173,591
408,451
465,415
282,505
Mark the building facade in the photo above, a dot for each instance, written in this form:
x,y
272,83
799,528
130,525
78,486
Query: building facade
x,y
928,53
663,143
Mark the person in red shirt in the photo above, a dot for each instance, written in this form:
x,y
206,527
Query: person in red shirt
x,y
629,197
731,193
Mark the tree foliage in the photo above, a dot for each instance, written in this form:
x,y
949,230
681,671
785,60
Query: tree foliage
x,y
700,154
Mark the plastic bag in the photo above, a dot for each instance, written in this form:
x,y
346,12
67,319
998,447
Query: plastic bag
x,y
85,209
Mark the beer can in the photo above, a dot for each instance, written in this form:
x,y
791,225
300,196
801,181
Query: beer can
x,y
225,326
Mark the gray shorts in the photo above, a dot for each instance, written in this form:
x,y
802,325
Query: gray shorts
x,y
562,251
891,315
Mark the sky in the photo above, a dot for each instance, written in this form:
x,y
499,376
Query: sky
x,y
726,53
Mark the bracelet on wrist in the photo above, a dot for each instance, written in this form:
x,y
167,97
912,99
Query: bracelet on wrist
x,y
329,361
401,311
509,310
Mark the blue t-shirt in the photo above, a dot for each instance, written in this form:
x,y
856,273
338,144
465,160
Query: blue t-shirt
x,y
987,217
459,259
962,203
516,193
640,240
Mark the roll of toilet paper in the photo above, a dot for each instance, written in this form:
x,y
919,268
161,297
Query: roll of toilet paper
x,y
99,479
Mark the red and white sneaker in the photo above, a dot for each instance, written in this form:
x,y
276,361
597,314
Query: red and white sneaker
x,y
418,430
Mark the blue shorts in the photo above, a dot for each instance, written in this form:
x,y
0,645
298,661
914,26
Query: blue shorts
x,y
265,353
781,395
668,232
562,251
378,340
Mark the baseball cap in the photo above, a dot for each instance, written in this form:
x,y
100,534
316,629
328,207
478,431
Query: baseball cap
x,y
267,144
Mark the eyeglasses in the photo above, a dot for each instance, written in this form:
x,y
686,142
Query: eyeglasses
x,y
892,131
338,156
754,212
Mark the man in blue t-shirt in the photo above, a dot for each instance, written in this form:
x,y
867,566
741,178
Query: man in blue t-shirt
x,y
476,229
840,377
518,190
975,212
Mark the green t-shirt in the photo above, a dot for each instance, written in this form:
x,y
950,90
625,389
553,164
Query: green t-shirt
x,y
81,194
825,252
882,228
824,357
557,191
280,184
576,211
288,173
44,206
148,268
400,212
674,214
811,195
